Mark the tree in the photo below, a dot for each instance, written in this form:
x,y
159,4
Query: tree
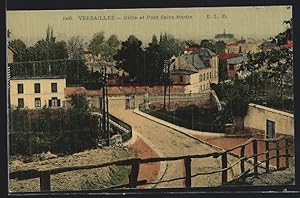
x,y
21,50
113,45
75,47
153,62
131,58
220,46
170,46
98,44
48,48
207,44
276,64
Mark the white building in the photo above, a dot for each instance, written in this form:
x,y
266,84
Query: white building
x,y
196,70
36,92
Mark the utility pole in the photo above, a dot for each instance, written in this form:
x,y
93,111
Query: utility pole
x,y
166,64
104,101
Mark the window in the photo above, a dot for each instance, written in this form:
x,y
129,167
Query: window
x,y
200,87
53,87
37,88
231,67
203,76
181,78
209,75
270,129
37,102
54,102
21,102
200,77
20,89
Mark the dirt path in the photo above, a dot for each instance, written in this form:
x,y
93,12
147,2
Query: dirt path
x,y
171,143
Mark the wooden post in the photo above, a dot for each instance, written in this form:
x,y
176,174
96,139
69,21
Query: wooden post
x,y
45,181
267,157
255,158
188,178
224,166
134,173
242,161
286,153
277,156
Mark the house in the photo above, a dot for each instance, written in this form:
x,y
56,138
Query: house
x,y
196,70
36,92
96,64
233,65
267,46
242,46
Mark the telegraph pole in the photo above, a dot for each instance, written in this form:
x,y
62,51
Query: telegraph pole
x,y
105,114
166,65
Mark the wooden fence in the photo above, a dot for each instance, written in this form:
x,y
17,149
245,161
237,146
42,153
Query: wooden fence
x,y
45,182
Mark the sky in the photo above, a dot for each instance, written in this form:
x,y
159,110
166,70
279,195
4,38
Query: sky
x,y
183,23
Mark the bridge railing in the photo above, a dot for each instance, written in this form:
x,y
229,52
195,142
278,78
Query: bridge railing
x,y
134,163
124,129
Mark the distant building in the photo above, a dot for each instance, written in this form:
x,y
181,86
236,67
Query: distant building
x,y
267,46
97,64
37,92
224,36
196,70
233,65
242,46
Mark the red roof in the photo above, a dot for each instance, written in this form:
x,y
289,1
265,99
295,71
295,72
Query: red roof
x,y
223,56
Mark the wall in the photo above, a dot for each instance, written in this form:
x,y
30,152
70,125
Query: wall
x,y
29,95
257,115
10,56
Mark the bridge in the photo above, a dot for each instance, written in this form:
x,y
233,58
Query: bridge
x,y
189,162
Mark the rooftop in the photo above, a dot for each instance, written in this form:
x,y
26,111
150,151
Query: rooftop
x,y
37,77
237,60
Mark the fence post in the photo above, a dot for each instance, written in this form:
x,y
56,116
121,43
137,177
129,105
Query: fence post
x,y
255,157
286,152
242,161
267,157
45,181
224,166
134,173
277,156
188,178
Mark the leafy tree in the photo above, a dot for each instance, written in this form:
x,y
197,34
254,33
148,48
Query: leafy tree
x,y
276,64
48,48
98,44
191,43
20,48
220,46
153,61
75,47
131,58
170,46
207,44
113,45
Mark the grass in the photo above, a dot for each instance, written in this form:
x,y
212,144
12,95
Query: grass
x,y
117,176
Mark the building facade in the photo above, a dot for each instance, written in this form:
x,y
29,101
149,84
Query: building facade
x,y
35,93
196,70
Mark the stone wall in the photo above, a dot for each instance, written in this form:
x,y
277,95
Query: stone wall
x,y
257,115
